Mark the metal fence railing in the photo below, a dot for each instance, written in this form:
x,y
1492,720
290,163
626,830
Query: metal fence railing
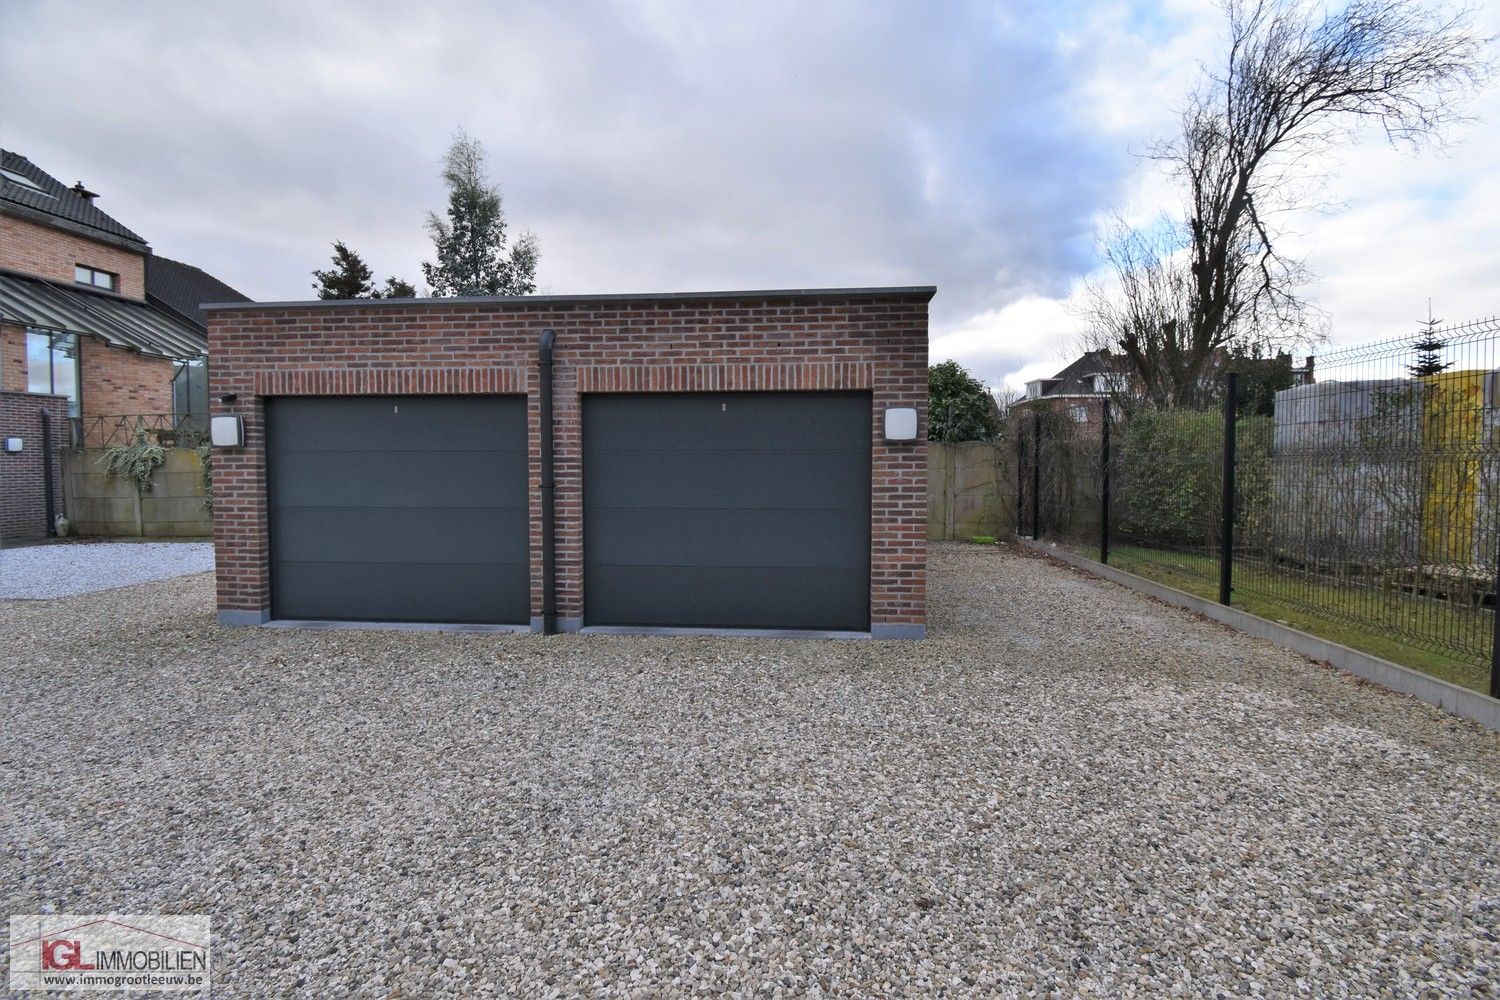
x,y
1358,500
161,428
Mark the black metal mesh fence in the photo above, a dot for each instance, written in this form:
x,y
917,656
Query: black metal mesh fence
x,y
1365,495
160,428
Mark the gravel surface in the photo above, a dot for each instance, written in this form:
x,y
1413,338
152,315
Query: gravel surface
x,y
66,568
1069,790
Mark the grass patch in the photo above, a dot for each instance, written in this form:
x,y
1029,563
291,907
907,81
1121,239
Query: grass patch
x,y
1199,575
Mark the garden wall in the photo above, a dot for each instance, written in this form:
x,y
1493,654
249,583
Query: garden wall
x,y
970,490
100,505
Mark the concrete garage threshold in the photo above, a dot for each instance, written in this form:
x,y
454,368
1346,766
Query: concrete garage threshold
x,y
251,619
395,626
1451,698
876,632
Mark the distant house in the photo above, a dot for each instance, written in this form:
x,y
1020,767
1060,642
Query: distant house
x,y
87,312
1081,389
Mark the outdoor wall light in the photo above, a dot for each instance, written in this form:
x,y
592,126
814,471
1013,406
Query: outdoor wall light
x,y
12,444
901,423
226,432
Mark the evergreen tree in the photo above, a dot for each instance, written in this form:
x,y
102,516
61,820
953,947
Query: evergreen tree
x,y
473,256
395,288
1429,348
348,278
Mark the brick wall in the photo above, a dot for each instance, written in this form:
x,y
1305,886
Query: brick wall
x,y
32,248
116,381
23,513
12,358
812,341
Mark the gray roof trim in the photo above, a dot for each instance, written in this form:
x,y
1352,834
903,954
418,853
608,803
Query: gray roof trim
x,y
923,292
120,322
77,228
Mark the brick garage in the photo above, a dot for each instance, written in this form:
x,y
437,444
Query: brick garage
x,y
871,342
23,483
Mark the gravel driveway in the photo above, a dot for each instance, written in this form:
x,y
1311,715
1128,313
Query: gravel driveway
x,y
66,568
1068,790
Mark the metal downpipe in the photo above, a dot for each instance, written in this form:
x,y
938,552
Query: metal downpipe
x,y
544,404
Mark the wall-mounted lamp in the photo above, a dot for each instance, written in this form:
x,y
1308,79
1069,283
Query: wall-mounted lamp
x,y
226,432
229,398
12,444
901,423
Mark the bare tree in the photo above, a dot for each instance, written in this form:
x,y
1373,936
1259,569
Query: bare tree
x,y
1298,81
1143,310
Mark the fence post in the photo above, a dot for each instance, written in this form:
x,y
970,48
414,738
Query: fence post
x,y
1226,540
1036,475
48,502
1495,639
1104,484
1020,478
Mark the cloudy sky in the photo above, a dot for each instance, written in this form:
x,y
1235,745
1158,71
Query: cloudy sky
x,y
656,145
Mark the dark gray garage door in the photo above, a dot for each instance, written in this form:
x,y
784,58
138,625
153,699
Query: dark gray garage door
x,y
727,510
398,508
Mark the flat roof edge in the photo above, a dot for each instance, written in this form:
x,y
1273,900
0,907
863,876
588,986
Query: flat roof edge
x,y
924,292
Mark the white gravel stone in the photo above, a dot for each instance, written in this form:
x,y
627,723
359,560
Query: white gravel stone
x,y
67,568
1069,790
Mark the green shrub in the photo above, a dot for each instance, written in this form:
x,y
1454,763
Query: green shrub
x,y
1170,472
206,473
136,461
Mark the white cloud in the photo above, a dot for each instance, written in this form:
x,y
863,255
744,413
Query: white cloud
x,y
674,145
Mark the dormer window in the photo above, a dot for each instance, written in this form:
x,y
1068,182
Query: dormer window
x,y
21,180
96,278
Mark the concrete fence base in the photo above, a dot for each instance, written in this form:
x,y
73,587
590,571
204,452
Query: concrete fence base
x,y
1451,698
970,490
99,504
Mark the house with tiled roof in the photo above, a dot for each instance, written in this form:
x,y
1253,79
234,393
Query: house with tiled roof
x,y
89,313
1082,388
98,335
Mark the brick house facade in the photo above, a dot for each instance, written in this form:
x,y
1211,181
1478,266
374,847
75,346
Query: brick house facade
x,y
89,315
872,340
70,271
31,247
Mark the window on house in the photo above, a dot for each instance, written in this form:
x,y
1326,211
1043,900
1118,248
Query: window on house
x,y
95,277
1114,382
190,393
21,180
52,366
1080,414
